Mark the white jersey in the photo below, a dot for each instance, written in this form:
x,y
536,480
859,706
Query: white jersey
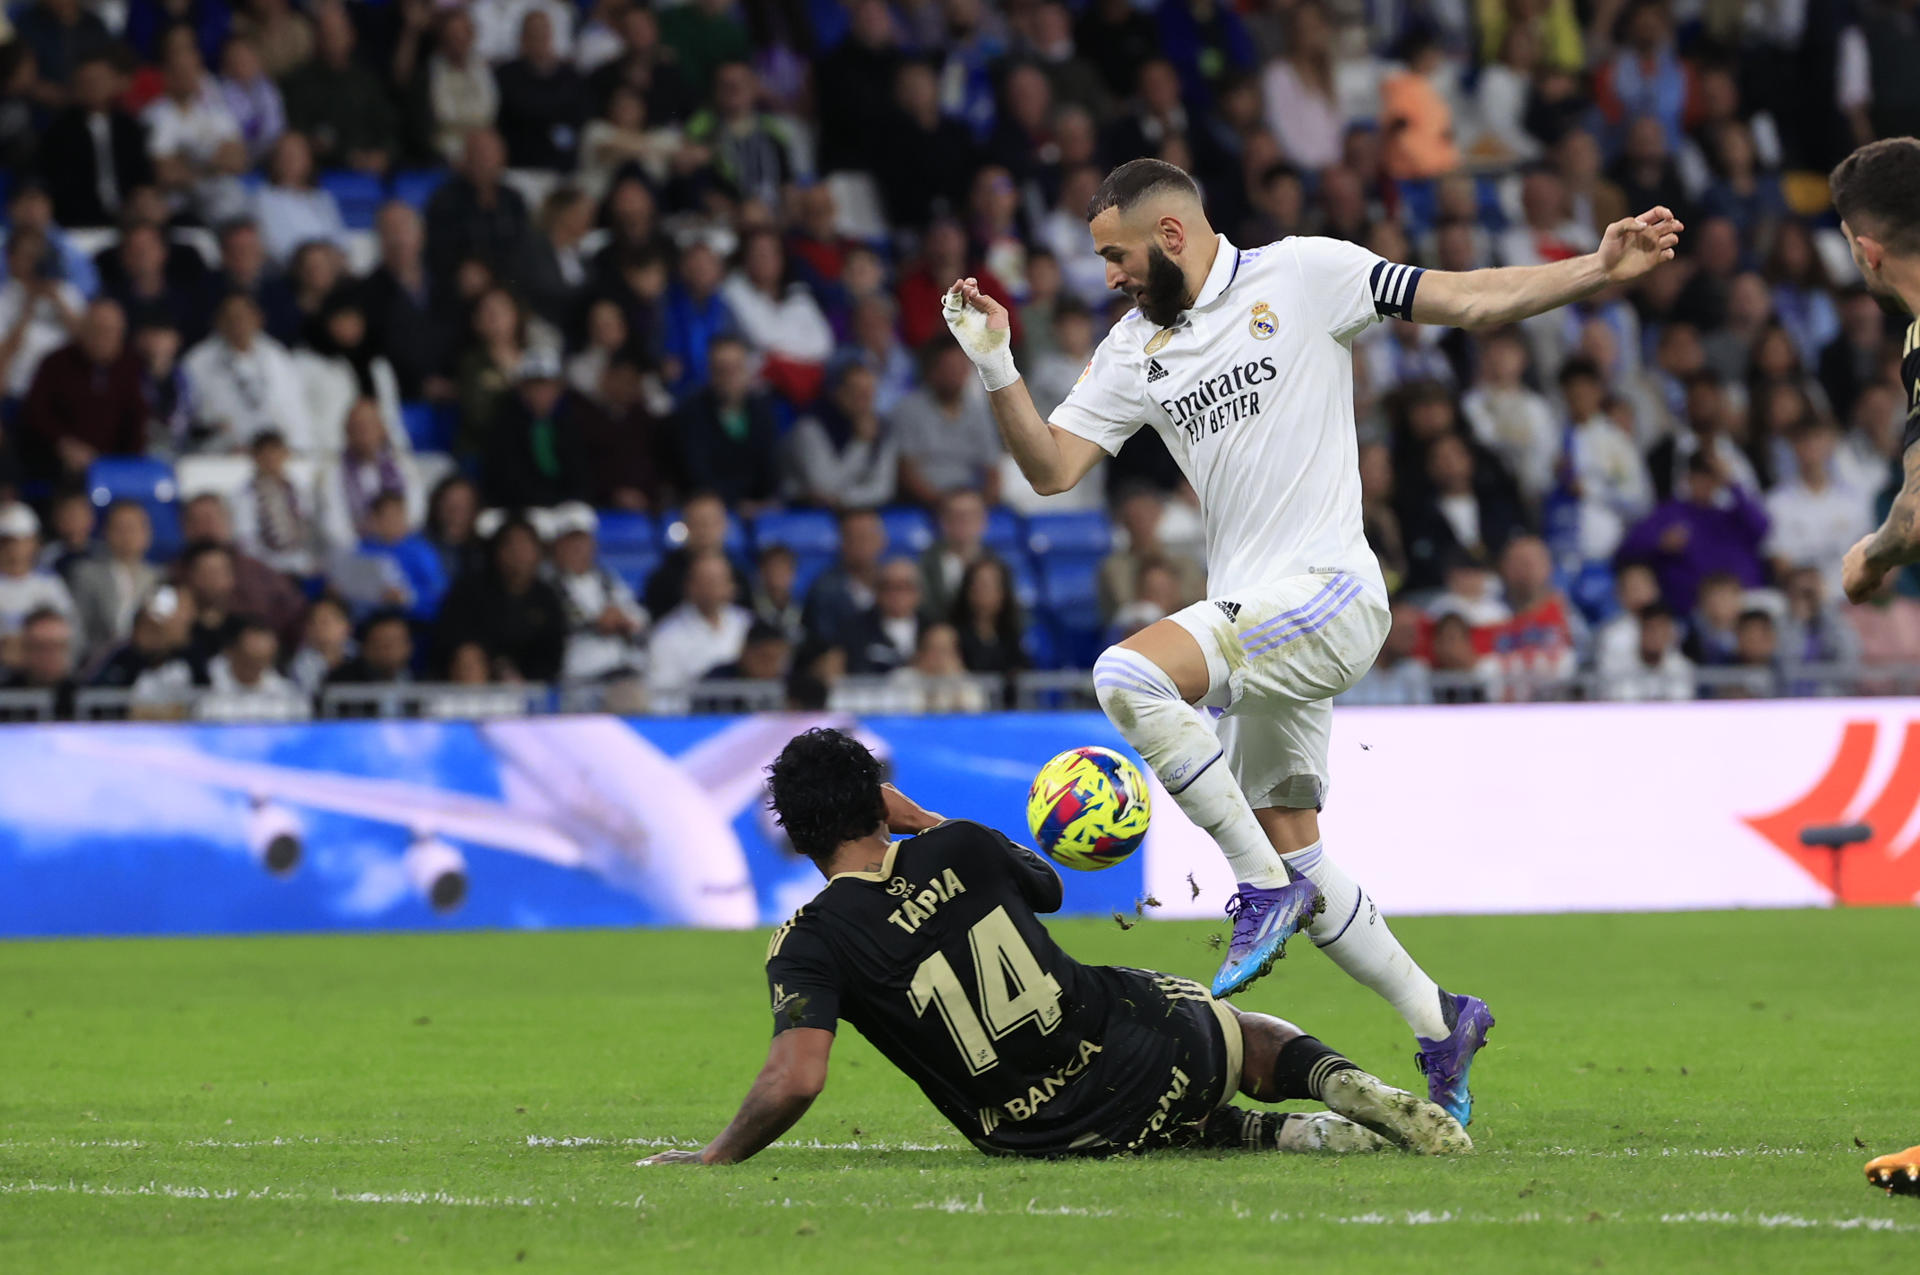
x,y
1252,389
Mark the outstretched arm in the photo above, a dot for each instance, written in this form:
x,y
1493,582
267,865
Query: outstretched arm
x,y
1897,543
795,1073
1052,459
1488,298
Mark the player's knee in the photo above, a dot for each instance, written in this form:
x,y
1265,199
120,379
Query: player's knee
x,y
1128,684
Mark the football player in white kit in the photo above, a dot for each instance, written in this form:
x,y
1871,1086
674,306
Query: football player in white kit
x,y
1241,360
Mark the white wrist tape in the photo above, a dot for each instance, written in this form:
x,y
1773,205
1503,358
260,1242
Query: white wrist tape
x,y
996,368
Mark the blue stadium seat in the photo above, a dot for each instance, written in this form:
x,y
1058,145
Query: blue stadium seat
x,y
358,194
805,531
1085,534
430,425
1419,205
909,529
674,534
1073,589
807,568
415,186
1040,643
622,531
1026,585
1006,531
631,565
147,482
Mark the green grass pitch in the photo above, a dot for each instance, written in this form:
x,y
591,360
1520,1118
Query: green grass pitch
x,y
1663,1093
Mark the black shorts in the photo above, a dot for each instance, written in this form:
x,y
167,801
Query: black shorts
x,y
1169,1058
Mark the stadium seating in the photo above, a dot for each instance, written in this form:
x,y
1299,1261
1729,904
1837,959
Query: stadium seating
x,y
415,186
358,194
1006,530
430,426
627,532
909,530
805,531
1082,534
148,482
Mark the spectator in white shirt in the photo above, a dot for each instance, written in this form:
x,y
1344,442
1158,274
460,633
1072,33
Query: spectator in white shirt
x,y
273,516
1063,231
252,98
605,622
497,26
243,382
24,588
935,680
198,153
1635,588
291,209
39,312
341,367
1653,668
369,467
460,85
776,313
1515,422
243,685
1609,476
1814,520
703,632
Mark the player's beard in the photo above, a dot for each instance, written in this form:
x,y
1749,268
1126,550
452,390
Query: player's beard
x,y
1165,293
1891,302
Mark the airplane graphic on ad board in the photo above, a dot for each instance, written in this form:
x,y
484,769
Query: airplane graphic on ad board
x,y
584,793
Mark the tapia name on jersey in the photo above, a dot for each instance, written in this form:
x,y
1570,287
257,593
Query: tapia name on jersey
x,y
1219,401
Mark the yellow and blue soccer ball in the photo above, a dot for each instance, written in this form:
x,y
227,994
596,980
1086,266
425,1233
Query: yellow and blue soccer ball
x,y
1088,808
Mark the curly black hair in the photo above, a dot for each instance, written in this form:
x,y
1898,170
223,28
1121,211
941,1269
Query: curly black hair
x,y
826,790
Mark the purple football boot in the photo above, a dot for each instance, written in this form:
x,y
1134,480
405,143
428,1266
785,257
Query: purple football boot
x,y
1445,1063
1263,921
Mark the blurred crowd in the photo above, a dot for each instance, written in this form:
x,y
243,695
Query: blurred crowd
x,y
530,341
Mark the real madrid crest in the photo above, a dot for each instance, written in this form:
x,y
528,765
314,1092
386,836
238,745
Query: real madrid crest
x,y
1158,341
1263,325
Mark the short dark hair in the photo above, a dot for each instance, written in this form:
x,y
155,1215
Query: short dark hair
x,y
760,631
384,616
1754,615
825,789
1580,366
1134,180
1876,191
246,624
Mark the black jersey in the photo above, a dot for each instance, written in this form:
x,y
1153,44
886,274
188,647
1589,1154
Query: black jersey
x,y
1910,382
940,962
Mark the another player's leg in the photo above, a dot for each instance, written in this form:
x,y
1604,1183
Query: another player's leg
x,y
1280,1063
1450,1028
1148,686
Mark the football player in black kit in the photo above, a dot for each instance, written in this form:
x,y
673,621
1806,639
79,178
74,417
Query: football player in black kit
x,y
931,947
1876,191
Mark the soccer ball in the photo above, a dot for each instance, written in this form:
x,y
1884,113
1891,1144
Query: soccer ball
x,y
1088,808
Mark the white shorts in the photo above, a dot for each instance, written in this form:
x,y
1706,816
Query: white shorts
x,y
1276,656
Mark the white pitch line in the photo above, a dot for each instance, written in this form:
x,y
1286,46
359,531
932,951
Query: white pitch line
x,y
974,1207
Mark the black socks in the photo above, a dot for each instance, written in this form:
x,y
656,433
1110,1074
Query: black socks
x,y
1303,1067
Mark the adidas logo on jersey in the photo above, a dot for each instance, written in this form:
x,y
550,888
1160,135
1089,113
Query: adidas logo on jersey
x,y
1231,608
1154,371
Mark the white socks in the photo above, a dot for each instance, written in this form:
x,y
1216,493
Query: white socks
x,y
1353,934
1176,740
